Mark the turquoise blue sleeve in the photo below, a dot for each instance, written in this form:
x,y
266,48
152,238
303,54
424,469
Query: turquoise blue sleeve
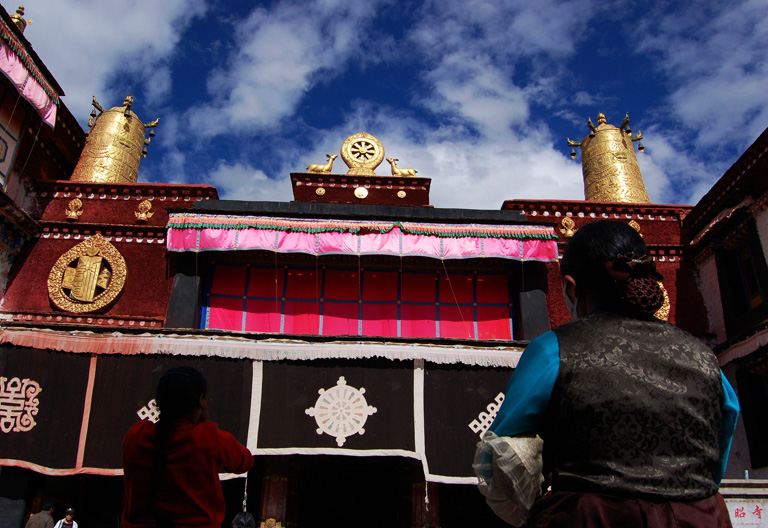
x,y
730,415
530,388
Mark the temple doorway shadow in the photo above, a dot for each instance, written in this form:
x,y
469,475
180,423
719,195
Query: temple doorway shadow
x,y
341,492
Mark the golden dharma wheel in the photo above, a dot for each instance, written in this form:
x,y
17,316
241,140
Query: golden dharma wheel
x,y
610,168
362,153
113,149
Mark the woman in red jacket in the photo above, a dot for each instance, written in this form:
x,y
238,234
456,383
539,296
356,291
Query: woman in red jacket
x,y
172,468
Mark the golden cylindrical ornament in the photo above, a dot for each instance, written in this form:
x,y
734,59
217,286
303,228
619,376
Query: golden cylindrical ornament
x,y
113,148
610,168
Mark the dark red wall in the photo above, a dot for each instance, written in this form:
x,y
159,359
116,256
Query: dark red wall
x,y
145,294
110,211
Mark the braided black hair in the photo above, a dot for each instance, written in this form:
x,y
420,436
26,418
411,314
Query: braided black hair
x,y
178,395
609,260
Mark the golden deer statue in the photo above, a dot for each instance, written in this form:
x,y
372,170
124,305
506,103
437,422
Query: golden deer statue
x,y
323,169
407,173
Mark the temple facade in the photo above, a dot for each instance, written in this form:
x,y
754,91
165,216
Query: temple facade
x,y
727,237
357,339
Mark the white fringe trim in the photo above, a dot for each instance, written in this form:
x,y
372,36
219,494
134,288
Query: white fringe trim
x,y
86,342
744,348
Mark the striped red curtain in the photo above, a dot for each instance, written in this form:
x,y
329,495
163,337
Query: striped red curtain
x,y
360,301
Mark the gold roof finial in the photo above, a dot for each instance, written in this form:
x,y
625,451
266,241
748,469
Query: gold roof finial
x,y
608,162
115,145
18,19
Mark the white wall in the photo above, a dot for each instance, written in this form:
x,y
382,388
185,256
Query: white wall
x,y
761,220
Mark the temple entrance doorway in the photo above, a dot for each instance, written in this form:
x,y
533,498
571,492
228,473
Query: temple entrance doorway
x,y
341,492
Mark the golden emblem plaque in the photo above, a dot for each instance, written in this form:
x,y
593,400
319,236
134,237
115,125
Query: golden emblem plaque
x,y
361,192
88,277
568,228
74,210
362,153
144,214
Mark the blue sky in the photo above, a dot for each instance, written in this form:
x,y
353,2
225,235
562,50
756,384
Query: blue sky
x,y
478,96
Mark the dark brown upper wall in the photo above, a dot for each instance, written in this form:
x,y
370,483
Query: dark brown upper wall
x,y
745,178
376,190
143,300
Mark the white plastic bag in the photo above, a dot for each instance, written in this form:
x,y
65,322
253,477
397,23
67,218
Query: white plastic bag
x,y
510,473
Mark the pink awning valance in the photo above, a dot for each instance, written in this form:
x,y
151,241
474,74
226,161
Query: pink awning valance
x,y
19,67
206,232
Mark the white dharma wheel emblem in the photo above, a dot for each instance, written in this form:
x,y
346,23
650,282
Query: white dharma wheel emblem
x,y
341,411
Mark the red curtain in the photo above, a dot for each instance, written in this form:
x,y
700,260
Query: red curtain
x,y
364,302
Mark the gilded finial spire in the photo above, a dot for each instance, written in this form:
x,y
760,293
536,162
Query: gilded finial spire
x,y
608,162
115,145
18,19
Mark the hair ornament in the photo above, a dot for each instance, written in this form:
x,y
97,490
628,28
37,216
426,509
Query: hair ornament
x,y
637,283
629,265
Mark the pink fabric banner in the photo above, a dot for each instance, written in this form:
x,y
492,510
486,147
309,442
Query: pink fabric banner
x,y
14,69
495,247
255,238
216,239
214,233
538,249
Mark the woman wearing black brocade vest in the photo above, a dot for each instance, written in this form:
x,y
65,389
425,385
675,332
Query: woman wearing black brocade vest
x,y
635,415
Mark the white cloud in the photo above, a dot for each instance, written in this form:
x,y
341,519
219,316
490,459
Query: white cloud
x,y
655,179
166,161
481,175
467,171
474,89
582,98
507,28
714,56
472,51
671,173
280,54
484,149
86,43
240,181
